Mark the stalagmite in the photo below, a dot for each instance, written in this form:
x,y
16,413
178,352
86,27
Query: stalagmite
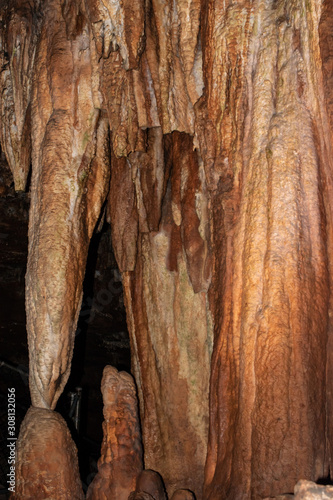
x,y
183,495
47,459
149,482
121,455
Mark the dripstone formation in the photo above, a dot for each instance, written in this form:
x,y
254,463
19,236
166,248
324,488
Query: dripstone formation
x,y
121,455
201,130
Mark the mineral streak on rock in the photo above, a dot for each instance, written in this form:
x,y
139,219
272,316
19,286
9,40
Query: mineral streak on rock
x,y
121,455
46,460
168,319
268,367
19,29
70,179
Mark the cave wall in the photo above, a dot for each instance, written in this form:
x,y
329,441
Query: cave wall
x,y
202,131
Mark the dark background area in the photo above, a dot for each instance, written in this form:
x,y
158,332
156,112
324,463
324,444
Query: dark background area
x,y
101,338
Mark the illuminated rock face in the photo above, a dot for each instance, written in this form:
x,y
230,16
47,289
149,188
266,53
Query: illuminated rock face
x,y
207,128
306,490
268,369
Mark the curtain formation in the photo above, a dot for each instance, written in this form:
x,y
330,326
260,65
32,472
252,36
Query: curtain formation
x,y
201,130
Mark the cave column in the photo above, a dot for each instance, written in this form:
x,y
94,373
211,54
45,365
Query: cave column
x,y
268,375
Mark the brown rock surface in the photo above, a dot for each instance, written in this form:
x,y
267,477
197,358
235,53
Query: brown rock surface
x,y
121,454
46,461
70,176
268,399
183,495
150,482
325,138
20,27
140,496
168,321
219,120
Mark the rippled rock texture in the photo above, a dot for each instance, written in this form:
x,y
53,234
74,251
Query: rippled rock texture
x,y
202,131
121,455
47,459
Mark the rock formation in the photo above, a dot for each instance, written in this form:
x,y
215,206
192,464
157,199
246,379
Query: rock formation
x,y
149,483
121,454
183,495
268,389
202,131
46,458
307,490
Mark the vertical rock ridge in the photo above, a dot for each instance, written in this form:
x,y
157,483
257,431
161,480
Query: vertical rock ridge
x,y
323,129
262,369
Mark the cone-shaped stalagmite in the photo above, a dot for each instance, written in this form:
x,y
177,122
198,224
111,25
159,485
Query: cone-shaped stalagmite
x,y
150,483
46,458
121,455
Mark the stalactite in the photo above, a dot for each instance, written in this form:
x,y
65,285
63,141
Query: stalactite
x,y
20,27
70,172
